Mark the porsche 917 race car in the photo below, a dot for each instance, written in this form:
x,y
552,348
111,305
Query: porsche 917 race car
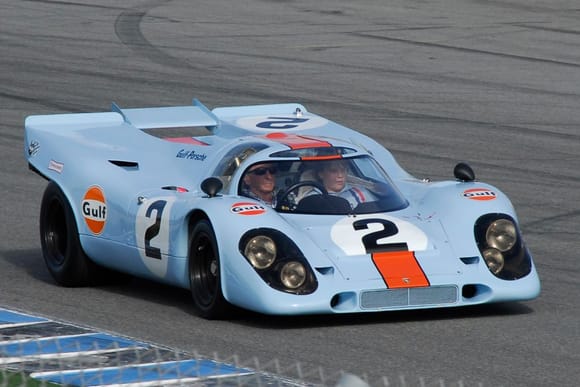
x,y
164,194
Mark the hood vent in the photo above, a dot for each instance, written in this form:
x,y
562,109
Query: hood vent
x,y
124,163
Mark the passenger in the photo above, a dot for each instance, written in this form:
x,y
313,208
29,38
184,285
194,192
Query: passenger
x,y
333,176
260,183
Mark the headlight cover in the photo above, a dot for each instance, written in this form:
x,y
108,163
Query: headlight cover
x,y
293,274
501,234
502,247
494,260
278,261
260,251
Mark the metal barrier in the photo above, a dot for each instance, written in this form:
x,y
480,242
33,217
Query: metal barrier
x,y
35,351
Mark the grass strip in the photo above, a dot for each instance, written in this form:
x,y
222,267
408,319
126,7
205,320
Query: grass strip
x,y
21,379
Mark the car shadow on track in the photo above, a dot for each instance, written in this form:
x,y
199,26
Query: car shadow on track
x,y
31,262
387,317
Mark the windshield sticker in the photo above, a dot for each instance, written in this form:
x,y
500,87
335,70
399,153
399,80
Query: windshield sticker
x,y
297,141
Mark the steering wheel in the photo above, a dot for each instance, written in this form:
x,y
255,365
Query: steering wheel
x,y
283,198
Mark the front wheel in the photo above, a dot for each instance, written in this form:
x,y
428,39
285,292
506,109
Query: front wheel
x,y
204,273
59,237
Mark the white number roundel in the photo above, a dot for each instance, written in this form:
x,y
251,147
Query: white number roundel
x,y
280,123
355,236
152,233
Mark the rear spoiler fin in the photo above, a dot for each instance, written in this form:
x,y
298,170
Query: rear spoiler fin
x,y
169,117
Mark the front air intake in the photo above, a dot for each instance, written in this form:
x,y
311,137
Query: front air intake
x,y
397,298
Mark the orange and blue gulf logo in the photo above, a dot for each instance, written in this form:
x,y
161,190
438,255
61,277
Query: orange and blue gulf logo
x,y
94,209
480,194
247,208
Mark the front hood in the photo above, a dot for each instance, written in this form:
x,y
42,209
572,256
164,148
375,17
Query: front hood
x,y
363,247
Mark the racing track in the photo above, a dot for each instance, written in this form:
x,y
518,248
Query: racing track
x,y
496,83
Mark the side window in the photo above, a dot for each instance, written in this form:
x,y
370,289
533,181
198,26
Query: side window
x,y
233,159
266,175
368,169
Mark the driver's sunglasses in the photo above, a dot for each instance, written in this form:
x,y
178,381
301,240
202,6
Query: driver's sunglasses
x,y
262,171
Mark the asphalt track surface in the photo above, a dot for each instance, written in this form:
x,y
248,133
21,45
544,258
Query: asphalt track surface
x,y
495,83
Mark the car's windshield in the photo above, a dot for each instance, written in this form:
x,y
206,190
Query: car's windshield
x,y
324,186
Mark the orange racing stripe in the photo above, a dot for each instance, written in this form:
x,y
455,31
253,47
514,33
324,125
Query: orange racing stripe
x,y
295,141
400,269
330,157
185,140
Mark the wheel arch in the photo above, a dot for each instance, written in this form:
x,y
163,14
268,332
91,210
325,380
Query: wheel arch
x,y
194,217
69,196
220,306
66,259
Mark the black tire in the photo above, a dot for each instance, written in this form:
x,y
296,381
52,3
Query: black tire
x,y
63,254
204,273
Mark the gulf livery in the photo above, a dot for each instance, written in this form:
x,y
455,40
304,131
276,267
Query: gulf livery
x,y
269,208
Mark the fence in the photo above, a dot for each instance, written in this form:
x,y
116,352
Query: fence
x,y
39,352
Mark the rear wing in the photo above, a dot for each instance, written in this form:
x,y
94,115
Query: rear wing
x,y
169,117
140,118
52,140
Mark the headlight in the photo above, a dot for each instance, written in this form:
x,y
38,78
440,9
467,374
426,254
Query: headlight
x,y
260,251
501,234
293,274
278,261
501,246
494,260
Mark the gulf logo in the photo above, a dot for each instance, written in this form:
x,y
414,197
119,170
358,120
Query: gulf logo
x,y
480,194
94,208
248,208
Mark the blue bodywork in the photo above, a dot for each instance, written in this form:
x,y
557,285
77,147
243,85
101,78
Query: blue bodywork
x,y
134,187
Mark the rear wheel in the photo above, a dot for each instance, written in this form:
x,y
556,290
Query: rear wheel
x,y
204,273
59,237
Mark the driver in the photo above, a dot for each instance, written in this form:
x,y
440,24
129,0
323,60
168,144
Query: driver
x,y
259,183
333,174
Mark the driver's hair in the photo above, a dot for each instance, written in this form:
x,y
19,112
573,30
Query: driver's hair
x,y
323,165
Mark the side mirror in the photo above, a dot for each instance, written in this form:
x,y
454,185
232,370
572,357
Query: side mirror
x,y
211,186
463,172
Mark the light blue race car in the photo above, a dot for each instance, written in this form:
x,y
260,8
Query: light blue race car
x,y
269,208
